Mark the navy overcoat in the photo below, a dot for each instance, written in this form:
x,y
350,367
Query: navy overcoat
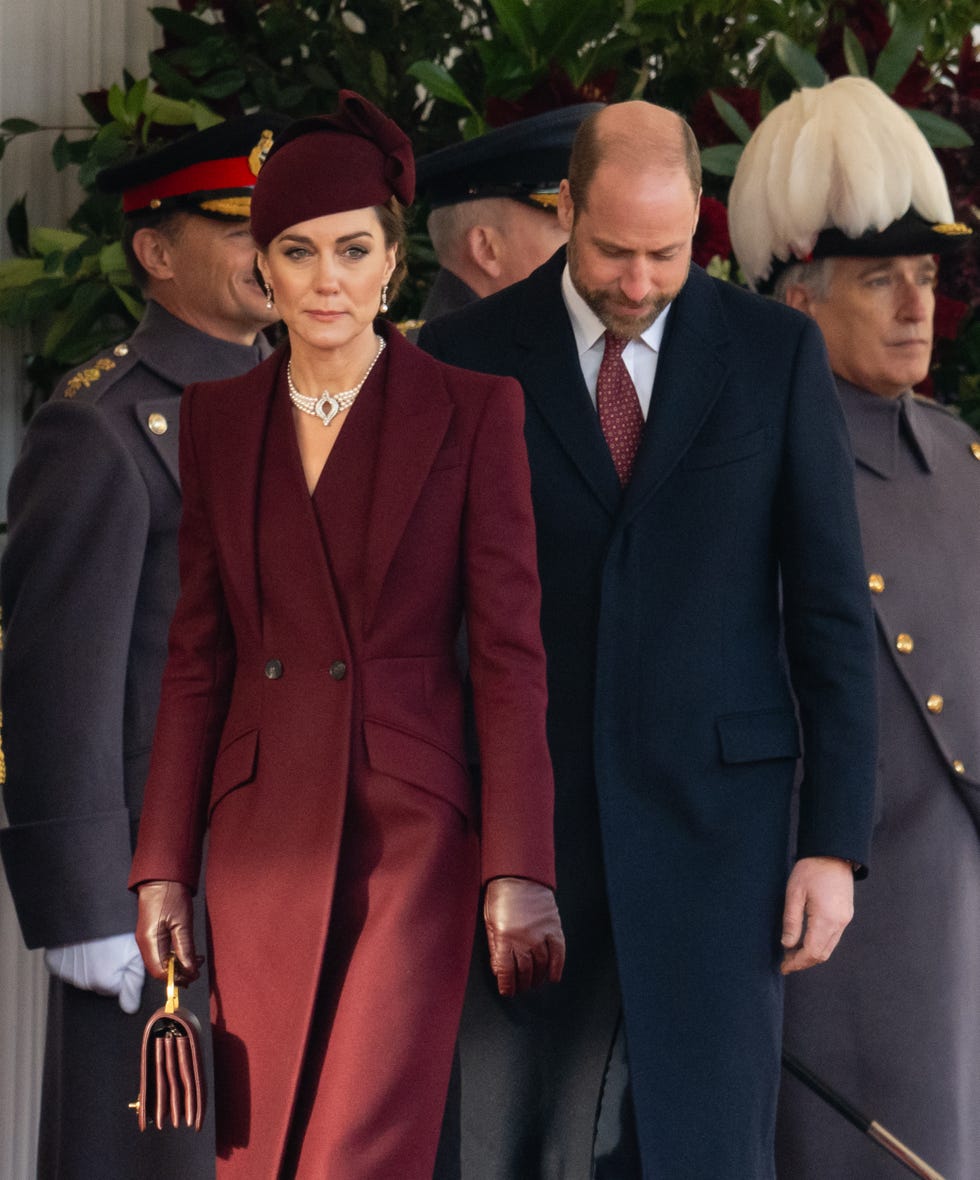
x,y
674,737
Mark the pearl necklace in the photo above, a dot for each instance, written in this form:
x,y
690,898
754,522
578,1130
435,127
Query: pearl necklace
x,y
338,402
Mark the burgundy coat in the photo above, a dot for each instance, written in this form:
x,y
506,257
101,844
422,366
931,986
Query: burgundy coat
x,y
264,705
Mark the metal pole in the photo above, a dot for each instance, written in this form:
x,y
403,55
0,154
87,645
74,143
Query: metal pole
x,y
874,1130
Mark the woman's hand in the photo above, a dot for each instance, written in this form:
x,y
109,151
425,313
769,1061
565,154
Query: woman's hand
x,y
165,923
524,934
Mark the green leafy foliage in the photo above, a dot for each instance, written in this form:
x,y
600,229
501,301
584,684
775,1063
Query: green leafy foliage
x,y
446,70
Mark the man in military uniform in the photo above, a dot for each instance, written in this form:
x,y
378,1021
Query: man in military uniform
x,y
89,581
892,1020
494,201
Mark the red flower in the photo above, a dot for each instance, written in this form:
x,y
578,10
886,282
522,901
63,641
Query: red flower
x,y
868,21
947,317
708,126
711,237
551,93
915,84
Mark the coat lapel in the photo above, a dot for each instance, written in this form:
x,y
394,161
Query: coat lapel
x,y
416,414
236,459
691,371
549,371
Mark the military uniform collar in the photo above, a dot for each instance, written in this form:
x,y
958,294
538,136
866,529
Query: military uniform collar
x,y
180,353
879,426
447,293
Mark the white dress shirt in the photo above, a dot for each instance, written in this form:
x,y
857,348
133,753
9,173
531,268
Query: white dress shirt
x,y
639,356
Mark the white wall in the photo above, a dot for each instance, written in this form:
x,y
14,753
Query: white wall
x,y
50,52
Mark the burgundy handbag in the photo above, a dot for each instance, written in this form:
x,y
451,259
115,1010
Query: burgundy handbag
x,y
171,1076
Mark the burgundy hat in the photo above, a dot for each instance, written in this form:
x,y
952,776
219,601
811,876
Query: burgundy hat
x,y
331,163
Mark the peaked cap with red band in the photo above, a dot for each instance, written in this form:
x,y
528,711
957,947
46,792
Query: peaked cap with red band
x,y
211,172
324,164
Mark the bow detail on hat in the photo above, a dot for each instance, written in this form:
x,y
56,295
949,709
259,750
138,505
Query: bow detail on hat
x,y
357,116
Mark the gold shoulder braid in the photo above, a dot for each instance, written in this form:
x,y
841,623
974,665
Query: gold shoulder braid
x,y
952,229
405,326
86,377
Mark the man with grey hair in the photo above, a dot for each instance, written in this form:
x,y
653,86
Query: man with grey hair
x,y
851,235
493,203
680,434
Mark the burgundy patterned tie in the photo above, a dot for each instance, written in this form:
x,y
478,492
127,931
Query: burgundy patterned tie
x,y
620,415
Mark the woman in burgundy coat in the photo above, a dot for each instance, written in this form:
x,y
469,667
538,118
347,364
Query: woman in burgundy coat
x,y
312,710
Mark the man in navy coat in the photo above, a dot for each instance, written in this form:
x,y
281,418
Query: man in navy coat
x,y
704,615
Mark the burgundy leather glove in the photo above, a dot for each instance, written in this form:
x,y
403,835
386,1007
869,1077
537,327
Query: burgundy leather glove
x,y
165,923
524,934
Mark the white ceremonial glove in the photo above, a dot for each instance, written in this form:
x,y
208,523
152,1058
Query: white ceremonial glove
x,y
107,966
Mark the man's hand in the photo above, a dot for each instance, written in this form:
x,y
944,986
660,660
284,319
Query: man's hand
x,y
107,966
819,904
165,923
524,934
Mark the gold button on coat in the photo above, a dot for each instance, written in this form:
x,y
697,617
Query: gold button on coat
x,y
121,350
157,423
959,767
935,703
975,449
904,643
876,583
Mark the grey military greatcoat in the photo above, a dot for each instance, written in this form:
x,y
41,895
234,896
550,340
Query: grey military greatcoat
x,y
893,1020
89,582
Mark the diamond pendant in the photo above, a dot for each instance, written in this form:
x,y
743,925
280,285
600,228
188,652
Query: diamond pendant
x,y
326,417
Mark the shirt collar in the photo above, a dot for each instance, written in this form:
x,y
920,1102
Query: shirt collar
x,y
589,329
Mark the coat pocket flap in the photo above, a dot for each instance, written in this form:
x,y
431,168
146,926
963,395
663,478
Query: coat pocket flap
x,y
414,760
721,453
758,737
234,766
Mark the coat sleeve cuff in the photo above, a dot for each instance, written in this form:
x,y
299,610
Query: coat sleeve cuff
x,y
68,877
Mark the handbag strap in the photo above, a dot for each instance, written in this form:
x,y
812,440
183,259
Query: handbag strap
x,y
173,997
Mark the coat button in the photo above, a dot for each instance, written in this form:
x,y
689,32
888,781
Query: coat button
x,y
121,350
338,670
876,583
904,643
958,766
157,423
273,669
975,449
935,703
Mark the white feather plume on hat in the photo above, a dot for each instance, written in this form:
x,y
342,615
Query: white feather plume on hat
x,y
843,156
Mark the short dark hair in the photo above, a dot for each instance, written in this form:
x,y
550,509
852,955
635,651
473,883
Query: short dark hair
x,y
168,222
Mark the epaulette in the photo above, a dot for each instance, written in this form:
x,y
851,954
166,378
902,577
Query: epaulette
x,y
406,326
97,374
932,404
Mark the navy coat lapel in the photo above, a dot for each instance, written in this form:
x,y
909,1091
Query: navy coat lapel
x,y
691,371
416,414
548,370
